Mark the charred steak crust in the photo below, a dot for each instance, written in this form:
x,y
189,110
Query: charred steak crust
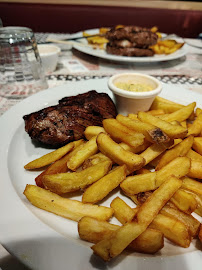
x,y
129,51
58,125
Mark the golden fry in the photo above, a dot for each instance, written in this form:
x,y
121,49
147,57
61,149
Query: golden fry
x,y
64,207
50,157
116,153
100,189
68,182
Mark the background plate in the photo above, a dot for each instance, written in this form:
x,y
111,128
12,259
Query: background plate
x,y
103,54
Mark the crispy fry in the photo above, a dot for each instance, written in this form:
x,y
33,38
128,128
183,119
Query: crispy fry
x,y
89,149
116,153
192,185
100,189
154,151
197,145
173,229
184,201
50,157
150,181
151,133
122,211
180,149
92,131
156,112
195,169
93,160
194,155
67,182
172,131
59,166
181,114
189,221
64,207
196,127
122,133
137,149
165,104
113,246
179,167
93,230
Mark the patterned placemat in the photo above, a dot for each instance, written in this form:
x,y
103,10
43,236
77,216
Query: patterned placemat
x,y
174,79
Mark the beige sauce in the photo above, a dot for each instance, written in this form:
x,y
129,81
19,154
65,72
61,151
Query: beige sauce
x,y
134,87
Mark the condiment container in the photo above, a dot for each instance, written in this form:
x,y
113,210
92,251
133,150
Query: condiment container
x,y
49,56
131,101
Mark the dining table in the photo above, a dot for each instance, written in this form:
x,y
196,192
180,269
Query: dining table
x,y
76,66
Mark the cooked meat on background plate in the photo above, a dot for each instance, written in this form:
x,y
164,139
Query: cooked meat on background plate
x,y
131,41
58,125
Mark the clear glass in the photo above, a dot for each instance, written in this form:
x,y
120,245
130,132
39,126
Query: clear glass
x,y
21,72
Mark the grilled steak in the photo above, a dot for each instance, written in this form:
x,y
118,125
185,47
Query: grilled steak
x,y
65,122
129,51
130,41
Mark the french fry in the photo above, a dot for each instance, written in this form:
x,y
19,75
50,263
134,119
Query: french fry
x,y
137,149
151,133
59,166
179,167
89,149
156,112
194,155
113,246
50,157
64,207
116,153
93,160
197,145
122,211
173,229
100,189
122,133
165,104
192,185
139,183
92,131
180,149
68,182
189,221
145,182
196,127
170,225
195,169
154,151
172,131
93,230
184,201
181,114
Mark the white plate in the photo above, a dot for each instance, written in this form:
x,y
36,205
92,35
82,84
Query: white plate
x,y
194,42
103,54
42,240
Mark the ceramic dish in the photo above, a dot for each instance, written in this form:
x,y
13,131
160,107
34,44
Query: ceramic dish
x,y
103,54
42,240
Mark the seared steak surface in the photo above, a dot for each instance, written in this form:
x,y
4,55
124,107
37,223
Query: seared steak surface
x,y
60,124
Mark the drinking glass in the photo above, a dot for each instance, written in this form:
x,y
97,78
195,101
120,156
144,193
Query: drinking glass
x,y
21,72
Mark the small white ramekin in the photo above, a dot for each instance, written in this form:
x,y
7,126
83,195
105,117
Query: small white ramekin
x,y
132,102
49,56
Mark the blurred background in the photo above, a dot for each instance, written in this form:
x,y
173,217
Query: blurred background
x,y
68,16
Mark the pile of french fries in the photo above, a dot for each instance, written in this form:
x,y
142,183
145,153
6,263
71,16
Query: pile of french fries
x,y
154,158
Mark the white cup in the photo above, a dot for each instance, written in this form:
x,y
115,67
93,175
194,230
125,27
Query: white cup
x,y
130,101
49,56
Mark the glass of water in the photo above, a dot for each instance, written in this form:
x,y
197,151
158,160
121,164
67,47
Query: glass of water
x,y
21,72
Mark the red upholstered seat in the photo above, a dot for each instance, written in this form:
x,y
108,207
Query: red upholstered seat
x,y
73,18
